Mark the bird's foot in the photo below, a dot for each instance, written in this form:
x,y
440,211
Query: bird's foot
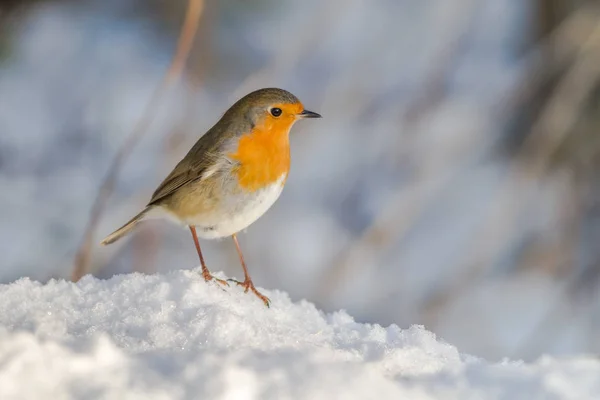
x,y
209,277
248,285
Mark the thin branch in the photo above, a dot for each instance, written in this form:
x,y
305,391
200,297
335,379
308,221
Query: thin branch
x,y
550,130
184,44
405,205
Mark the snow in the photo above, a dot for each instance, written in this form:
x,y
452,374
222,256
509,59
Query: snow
x,y
173,336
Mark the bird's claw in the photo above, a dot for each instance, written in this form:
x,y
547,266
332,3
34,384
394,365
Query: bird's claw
x,y
248,285
209,277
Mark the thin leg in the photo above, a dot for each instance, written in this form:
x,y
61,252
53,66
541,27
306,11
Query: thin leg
x,y
247,284
205,272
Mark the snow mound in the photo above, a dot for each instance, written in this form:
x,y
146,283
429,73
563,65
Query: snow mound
x,y
175,337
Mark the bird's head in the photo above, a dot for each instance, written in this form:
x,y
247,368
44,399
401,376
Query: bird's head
x,y
271,109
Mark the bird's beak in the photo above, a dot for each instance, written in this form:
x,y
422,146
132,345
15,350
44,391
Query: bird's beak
x,y
309,114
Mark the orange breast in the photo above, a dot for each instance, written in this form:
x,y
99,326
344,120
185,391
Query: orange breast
x,y
263,155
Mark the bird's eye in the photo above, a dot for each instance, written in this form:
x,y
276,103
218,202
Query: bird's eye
x,y
276,112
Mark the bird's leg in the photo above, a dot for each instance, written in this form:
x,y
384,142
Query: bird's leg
x,y
205,272
247,284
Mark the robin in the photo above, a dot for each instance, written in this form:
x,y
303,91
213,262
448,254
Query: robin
x,y
231,176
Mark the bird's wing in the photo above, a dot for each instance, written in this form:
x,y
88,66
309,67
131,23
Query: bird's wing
x,y
201,161
181,175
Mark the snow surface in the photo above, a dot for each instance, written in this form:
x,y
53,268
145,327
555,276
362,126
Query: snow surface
x,y
175,337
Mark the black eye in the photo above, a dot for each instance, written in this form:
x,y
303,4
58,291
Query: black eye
x,y
276,112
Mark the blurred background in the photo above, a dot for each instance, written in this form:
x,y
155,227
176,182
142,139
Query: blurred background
x,y
451,183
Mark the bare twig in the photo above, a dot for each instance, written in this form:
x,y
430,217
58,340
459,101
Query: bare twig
x,y
188,32
146,243
549,57
406,204
530,164
558,117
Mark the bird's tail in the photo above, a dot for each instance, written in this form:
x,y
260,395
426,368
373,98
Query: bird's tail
x,y
125,229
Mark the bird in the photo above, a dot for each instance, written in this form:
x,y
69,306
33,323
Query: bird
x,y
231,176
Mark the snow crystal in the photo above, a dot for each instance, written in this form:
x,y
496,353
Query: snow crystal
x,y
174,336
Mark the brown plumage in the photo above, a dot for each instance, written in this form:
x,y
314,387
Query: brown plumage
x,y
232,175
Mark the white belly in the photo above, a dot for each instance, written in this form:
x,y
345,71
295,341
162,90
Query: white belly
x,y
238,213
